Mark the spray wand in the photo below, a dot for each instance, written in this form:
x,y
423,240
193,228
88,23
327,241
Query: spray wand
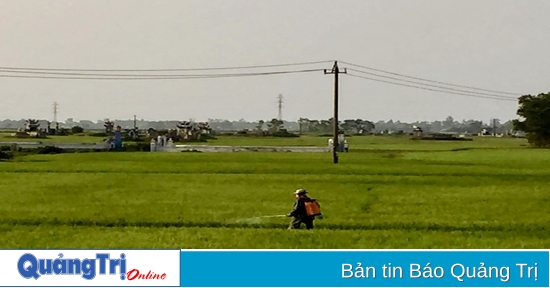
x,y
273,216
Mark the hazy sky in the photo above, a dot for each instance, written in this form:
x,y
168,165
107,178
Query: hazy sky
x,y
498,45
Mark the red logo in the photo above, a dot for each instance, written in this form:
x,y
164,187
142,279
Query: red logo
x,y
134,274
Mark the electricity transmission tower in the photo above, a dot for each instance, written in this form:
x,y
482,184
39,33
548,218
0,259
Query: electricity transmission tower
x,y
280,107
55,112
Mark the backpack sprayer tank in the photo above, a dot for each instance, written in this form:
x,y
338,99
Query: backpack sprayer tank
x,y
312,207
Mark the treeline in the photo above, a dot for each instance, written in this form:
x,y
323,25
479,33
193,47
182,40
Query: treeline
x,y
304,125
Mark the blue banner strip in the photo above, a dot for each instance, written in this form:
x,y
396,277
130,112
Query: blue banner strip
x,y
341,268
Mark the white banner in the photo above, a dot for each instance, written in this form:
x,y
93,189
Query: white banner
x,y
36,268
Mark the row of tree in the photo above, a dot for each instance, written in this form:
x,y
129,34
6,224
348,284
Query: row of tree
x,y
326,126
304,125
534,112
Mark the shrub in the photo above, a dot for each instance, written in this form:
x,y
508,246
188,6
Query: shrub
x,y
77,129
5,156
50,150
285,134
137,147
63,132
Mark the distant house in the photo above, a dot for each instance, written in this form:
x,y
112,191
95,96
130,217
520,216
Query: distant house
x,y
417,131
486,132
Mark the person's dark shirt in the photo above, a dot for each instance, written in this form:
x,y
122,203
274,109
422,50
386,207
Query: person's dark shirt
x,y
299,208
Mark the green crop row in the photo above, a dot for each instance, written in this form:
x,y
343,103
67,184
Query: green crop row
x,y
428,198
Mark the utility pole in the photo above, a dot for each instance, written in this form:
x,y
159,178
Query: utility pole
x,y
335,71
280,107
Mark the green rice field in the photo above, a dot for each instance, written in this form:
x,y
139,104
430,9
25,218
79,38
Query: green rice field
x,y
387,192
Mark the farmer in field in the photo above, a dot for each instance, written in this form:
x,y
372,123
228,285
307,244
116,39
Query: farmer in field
x,y
299,211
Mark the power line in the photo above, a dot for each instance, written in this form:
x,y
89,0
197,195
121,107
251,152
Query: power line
x,y
176,69
418,87
414,82
130,75
164,77
427,80
43,71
